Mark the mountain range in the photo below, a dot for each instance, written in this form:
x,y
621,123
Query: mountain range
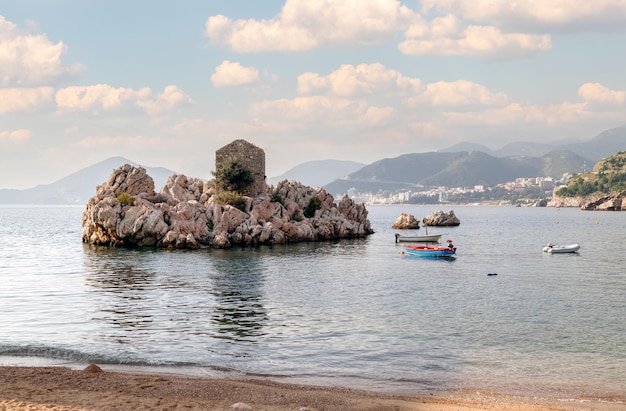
x,y
78,187
465,164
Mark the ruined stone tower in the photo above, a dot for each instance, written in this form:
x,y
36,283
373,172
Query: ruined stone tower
x,y
249,156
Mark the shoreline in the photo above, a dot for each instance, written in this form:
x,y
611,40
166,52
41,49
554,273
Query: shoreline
x,y
60,388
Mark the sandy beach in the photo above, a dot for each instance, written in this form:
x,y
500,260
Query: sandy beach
x,y
64,389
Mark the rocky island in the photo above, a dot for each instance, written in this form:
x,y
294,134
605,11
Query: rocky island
x,y
236,208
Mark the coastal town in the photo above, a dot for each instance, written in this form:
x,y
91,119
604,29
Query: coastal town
x,y
522,191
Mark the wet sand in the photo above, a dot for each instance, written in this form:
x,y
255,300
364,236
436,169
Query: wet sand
x,y
64,389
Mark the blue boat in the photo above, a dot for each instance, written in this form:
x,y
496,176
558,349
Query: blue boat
x,y
431,251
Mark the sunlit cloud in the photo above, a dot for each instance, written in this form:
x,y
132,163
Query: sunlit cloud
x,y
103,97
31,60
16,136
24,99
361,80
233,74
537,15
307,24
597,93
460,93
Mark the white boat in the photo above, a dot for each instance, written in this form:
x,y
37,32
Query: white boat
x,y
433,238
559,249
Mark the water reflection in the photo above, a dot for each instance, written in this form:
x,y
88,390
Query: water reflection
x,y
238,282
118,284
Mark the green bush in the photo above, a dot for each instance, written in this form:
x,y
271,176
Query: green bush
x,y
232,198
230,175
210,225
125,198
314,205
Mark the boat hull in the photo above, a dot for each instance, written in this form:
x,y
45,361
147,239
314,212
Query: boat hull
x,y
418,238
425,251
561,249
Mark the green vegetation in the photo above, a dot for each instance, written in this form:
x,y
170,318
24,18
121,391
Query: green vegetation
x,y
210,225
276,197
609,176
314,205
232,198
124,198
230,175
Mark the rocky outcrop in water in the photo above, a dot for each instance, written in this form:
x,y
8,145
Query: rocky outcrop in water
x,y
126,211
593,202
441,218
405,222
609,202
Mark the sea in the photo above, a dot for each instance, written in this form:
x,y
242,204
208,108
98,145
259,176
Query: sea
x,y
502,316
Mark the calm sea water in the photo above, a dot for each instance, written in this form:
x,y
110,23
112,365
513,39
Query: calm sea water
x,y
353,313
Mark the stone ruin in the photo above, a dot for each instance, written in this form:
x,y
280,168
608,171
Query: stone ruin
x,y
126,211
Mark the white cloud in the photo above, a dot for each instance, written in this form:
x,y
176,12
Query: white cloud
x,y
597,93
517,114
105,97
306,24
233,74
361,80
16,136
24,99
170,99
27,60
304,112
447,36
460,93
114,142
538,15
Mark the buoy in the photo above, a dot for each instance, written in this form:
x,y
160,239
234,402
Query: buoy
x,y
492,274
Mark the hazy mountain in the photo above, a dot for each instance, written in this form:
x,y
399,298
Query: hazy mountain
x,y
78,187
603,145
317,173
461,169
466,146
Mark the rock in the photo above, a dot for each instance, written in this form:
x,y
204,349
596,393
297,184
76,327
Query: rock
x,y
125,211
540,203
93,369
241,406
441,218
609,202
406,221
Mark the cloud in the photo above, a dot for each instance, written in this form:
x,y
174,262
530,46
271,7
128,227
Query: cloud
x,y
537,16
24,99
16,136
460,93
361,80
597,93
307,24
27,60
170,99
233,74
305,112
518,114
448,36
105,97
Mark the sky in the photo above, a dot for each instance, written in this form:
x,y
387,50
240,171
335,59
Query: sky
x,y
166,84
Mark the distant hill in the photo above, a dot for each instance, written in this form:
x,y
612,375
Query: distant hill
x,y
78,187
460,169
608,176
318,173
603,145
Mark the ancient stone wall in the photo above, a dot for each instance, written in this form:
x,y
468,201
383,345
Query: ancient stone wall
x,y
249,156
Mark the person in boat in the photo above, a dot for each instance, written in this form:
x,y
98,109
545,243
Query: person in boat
x,y
450,245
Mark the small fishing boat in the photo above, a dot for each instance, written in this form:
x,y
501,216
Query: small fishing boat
x,y
560,249
430,251
433,238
